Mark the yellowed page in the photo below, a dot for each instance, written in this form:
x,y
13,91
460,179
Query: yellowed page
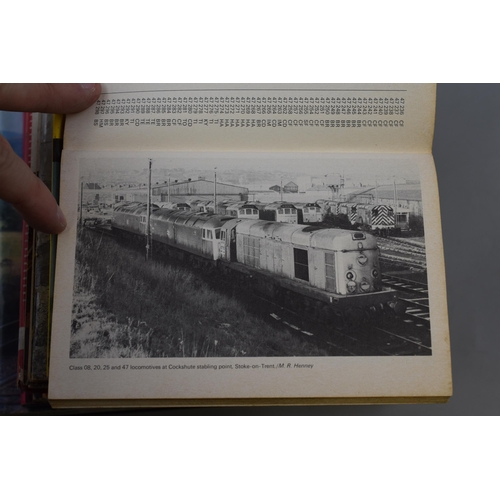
x,y
265,117
397,360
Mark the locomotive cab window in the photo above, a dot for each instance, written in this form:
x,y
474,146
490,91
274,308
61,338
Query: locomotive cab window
x,y
301,262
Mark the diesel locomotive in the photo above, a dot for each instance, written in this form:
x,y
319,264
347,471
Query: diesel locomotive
x,y
379,219
324,272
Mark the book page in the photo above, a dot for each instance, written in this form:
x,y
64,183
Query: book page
x,y
271,267
258,117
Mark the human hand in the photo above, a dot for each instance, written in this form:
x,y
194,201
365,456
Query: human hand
x,y
18,185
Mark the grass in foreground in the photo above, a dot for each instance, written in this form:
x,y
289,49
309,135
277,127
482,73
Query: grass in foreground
x,y
126,307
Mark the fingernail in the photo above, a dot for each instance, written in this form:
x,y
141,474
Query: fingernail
x,y
61,219
88,86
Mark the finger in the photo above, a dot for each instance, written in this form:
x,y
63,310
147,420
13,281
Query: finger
x,y
60,98
27,193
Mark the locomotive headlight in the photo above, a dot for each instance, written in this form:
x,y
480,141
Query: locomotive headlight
x,y
365,286
350,275
351,286
362,259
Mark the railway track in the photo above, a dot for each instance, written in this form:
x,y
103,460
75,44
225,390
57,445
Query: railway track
x,y
393,336
418,310
405,285
404,252
407,335
415,296
406,242
368,340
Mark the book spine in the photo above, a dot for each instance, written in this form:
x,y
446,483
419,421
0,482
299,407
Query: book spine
x,y
25,262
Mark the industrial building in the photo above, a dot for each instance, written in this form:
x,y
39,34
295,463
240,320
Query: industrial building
x,y
184,191
291,187
199,188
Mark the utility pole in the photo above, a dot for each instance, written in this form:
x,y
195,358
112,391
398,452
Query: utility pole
x,y
395,201
81,203
148,216
215,190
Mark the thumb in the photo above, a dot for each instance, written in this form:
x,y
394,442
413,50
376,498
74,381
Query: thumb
x,y
27,193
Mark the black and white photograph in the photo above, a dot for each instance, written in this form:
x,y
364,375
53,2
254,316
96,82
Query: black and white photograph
x,y
250,255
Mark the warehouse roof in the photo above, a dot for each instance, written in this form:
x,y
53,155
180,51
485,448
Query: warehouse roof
x,y
411,192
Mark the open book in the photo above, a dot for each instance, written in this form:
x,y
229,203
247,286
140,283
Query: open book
x,y
250,244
